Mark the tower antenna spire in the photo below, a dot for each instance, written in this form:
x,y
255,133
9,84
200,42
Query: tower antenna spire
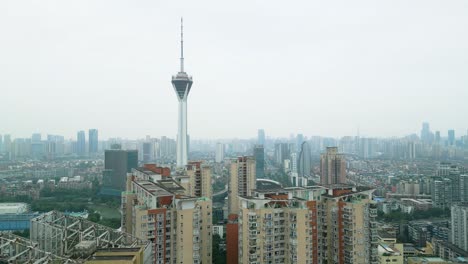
x,y
181,44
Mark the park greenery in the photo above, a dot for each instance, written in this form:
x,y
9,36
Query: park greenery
x,y
101,209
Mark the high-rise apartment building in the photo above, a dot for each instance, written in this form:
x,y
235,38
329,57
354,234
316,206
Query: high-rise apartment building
x,y
332,167
93,141
241,181
117,163
441,192
199,179
182,84
261,137
308,225
259,154
81,143
219,154
459,226
157,209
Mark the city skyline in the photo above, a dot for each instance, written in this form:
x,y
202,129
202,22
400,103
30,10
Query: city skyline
x,y
388,66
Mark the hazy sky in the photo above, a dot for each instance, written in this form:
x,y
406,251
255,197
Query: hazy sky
x,y
311,67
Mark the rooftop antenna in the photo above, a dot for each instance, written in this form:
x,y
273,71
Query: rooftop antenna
x,y
181,44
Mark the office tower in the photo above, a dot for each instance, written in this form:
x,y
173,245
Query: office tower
x,y
199,179
241,181
261,137
304,164
459,226
332,167
308,225
157,209
219,155
451,137
259,155
93,140
299,141
282,152
81,143
1,144
117,163
182,84
441,192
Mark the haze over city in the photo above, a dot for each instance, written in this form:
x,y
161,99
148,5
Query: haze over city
x,y
318,68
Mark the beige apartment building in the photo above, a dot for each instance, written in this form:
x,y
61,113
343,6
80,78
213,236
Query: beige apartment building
x,y
333,225
242,181
199,176
158,209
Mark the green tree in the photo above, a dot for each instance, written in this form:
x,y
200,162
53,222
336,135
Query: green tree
x,y
219,254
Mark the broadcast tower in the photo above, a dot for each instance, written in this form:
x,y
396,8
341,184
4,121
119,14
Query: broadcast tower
x,y
182,83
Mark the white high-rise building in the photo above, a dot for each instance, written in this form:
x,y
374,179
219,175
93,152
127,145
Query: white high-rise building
x,y
182,83
459,226
219,152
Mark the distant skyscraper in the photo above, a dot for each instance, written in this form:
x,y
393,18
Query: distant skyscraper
x,y
81,143
282,152
451,137
304,163
426,134
147,151
117,163
299,140
36,137
259,154
219,155
182,84
261,137
7,143
93,140
332,167
37,146
437,137
1,144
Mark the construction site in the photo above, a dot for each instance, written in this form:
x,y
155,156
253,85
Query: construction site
x,y
59,238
